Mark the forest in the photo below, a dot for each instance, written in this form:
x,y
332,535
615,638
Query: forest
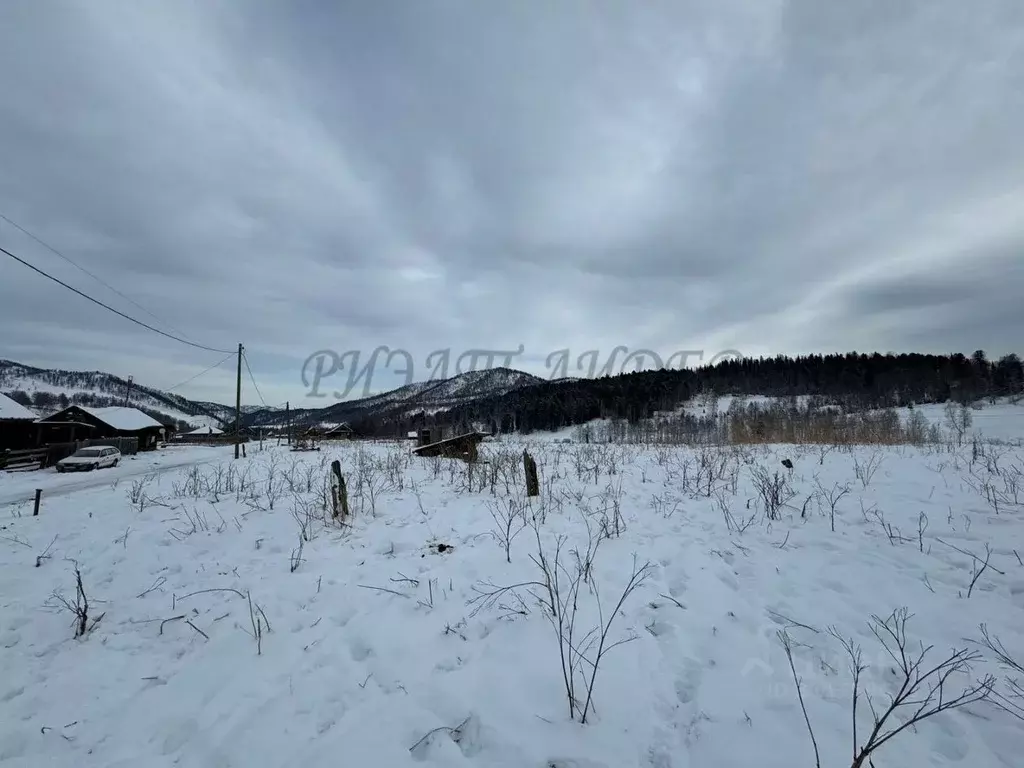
x,y
853,381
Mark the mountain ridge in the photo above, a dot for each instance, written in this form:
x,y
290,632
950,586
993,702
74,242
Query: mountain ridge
x,y
45,390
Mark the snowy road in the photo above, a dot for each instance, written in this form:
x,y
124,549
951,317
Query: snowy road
x,y
18,487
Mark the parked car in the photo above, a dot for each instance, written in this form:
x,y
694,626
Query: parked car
x,y
85,459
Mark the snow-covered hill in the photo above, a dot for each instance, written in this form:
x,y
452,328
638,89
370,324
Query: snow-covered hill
x,y
419,397
46,390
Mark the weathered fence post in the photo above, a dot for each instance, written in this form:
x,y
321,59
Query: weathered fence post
x,y
530,468
339,493
39,496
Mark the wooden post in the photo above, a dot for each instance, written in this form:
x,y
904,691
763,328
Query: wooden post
x,y
530,467
288,421
35,509
339,493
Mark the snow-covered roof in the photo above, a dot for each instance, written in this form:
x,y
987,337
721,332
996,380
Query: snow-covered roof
x,y
12,409
125,419
329,426
206,431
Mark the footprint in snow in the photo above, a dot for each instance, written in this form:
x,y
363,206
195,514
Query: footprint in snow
x,y
12,694
688,682
360,651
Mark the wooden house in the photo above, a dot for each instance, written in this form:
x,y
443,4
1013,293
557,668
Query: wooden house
x,y
328,431
107,423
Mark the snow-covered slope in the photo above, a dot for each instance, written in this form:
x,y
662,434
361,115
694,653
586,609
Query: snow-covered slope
x,y
45,388
419,397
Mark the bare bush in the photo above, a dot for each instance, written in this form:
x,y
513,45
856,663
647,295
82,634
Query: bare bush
x,y
79,608
665,506
921,691
865,467
832,496
1011,702
189,522
509,521
774,490
295,560
557,591
732,523
711,471
305,514
612,523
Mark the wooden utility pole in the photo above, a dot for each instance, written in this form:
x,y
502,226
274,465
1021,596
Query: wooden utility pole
x,y
288,420
238,404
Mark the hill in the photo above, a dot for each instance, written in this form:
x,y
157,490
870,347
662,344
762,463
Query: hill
x,y
46,390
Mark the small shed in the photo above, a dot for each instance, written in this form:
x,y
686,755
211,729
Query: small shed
x,y
459,447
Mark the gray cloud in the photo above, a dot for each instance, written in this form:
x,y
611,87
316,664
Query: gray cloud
x,y
772,177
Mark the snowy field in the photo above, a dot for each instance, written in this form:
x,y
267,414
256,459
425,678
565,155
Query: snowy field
x,y
232,622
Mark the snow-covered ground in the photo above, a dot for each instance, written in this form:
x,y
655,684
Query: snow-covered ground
x,y
216,639
18,486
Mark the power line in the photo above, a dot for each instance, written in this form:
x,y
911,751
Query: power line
x,y
245,359
108,307
201,373
79,267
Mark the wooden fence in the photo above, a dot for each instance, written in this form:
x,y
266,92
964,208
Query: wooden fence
x,y
9,458
48,455
128,446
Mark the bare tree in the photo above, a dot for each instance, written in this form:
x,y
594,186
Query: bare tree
x,y
958,419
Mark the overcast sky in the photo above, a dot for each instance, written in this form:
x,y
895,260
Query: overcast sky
x,y
761,176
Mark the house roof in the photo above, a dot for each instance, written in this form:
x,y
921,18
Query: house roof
x,y
124,419
330,426
11,409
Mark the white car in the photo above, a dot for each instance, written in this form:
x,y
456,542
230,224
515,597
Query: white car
x,y
85,459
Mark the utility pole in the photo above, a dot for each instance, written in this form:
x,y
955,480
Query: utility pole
x,y
288,420
128,392
238,404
